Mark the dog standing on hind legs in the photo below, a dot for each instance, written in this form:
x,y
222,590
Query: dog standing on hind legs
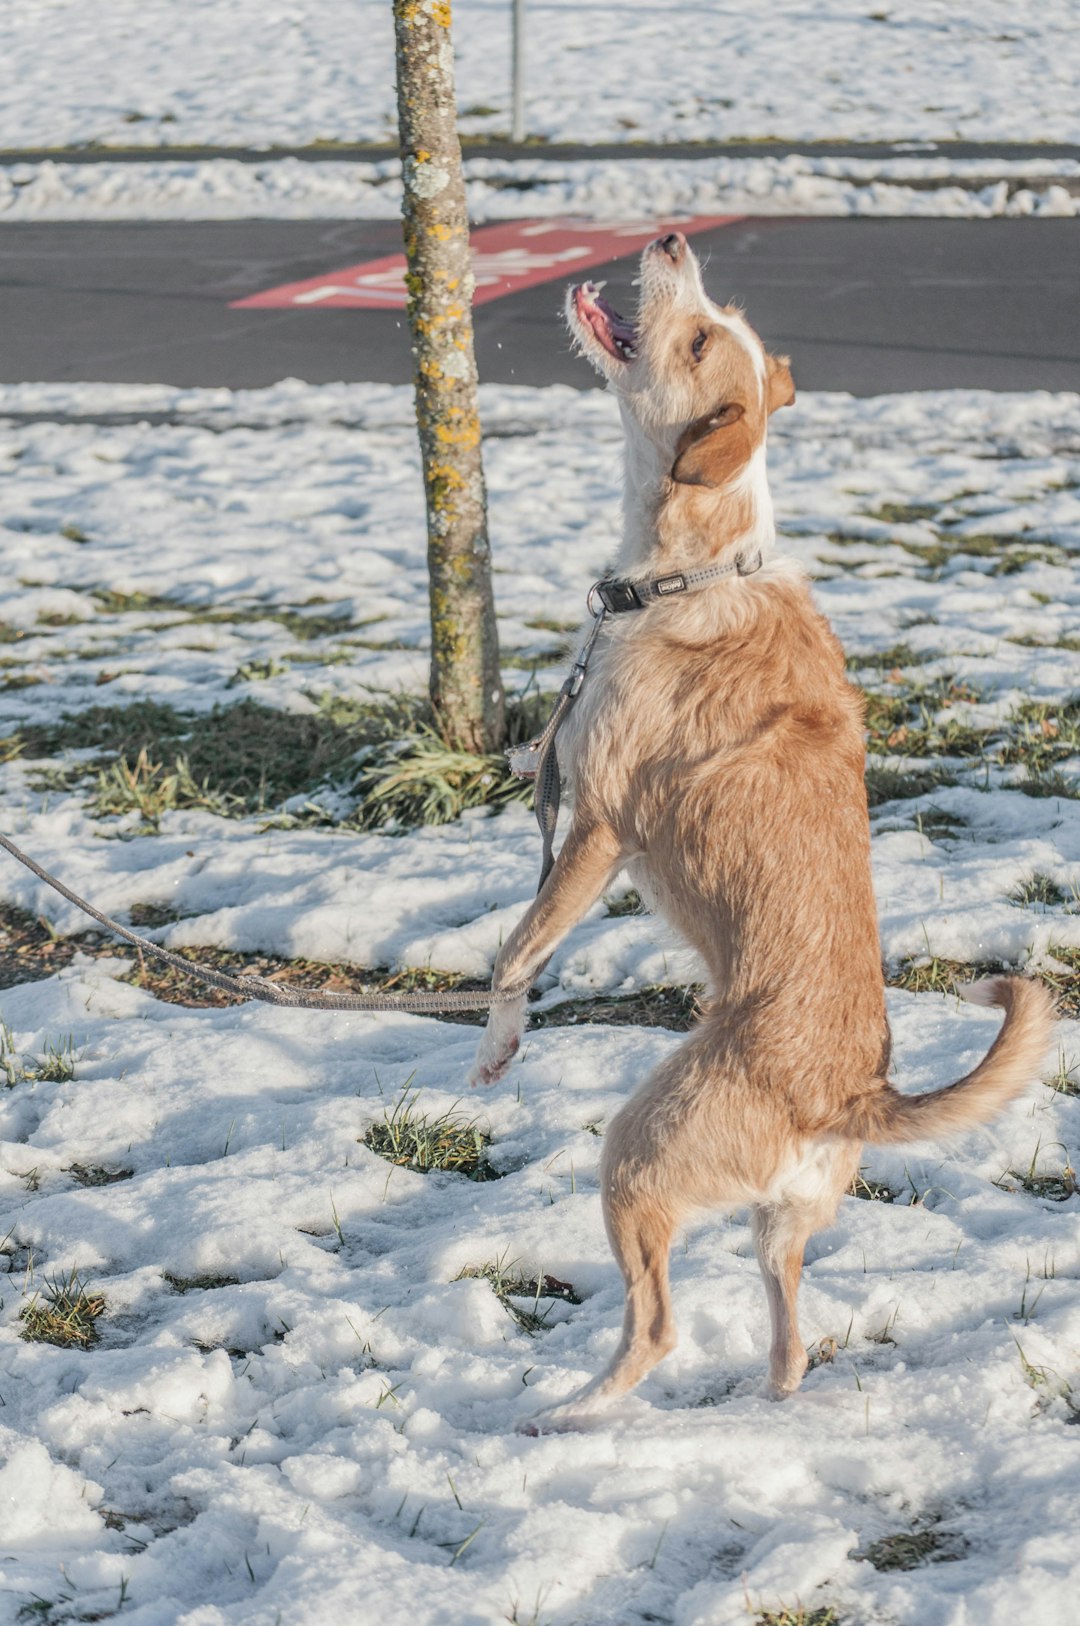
x,y
717,751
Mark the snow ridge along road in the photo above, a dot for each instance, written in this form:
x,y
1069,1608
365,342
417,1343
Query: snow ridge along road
x,y
304,1395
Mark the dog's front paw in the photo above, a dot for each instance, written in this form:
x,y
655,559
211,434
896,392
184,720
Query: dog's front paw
x,y
500,1044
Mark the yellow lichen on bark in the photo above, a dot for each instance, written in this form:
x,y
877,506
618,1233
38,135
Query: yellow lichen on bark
x,y
465,685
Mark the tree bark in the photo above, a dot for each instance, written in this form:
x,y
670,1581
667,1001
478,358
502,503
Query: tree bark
x,y
466,689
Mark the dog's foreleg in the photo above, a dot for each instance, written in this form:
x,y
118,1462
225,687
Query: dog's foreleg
x,y
590,855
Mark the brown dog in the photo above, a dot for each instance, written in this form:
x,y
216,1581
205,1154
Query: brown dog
x,y
717,750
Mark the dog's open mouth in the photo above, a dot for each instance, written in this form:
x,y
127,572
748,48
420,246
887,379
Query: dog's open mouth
x,y
617,336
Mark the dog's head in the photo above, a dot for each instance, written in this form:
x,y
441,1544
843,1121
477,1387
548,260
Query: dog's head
x,y
694,381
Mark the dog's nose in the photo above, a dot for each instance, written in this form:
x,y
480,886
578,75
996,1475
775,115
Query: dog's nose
x,y
673,245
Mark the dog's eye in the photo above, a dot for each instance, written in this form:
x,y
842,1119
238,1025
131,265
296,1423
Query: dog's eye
x,y
698,346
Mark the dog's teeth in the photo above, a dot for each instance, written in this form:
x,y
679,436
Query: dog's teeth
x,y
597,286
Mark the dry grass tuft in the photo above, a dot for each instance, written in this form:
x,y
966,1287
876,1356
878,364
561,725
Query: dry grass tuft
x,y
63,1313
911,1549
412,1140
871,1191
798,1617
514,1290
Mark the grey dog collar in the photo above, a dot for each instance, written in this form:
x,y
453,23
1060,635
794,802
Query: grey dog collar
x,y
620,593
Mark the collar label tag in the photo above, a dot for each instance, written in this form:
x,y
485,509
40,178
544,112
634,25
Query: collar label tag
x,y
670,584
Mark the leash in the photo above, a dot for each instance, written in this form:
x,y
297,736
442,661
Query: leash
x,y
272,993
535,760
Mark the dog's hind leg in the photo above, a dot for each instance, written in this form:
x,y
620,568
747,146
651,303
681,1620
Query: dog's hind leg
x,y
640,1233
781,1231
643,1204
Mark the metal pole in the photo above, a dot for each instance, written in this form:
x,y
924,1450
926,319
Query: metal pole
x,y
517,122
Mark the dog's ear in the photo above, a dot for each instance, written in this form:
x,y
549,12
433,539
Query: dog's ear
x,y
779,384
711,450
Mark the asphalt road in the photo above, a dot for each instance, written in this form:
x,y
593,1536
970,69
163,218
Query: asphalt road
x,y
861,305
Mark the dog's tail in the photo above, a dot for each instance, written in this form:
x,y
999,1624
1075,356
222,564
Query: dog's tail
x,y
1008,1067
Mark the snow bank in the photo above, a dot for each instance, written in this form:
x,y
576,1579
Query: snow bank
x,y
501,189
299,1407
262,72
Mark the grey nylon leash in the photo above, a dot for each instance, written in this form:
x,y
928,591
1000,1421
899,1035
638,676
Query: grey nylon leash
x,y
616,596
272,993
542,752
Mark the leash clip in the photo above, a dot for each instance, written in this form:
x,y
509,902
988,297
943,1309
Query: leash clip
x,y
616,596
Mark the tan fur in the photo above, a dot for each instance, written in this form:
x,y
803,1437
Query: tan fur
x,y
717,749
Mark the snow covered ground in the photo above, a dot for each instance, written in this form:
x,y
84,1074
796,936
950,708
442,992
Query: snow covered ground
x,y
501,189
266,72
299,1409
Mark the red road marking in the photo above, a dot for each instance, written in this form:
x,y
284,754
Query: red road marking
x,y
515,255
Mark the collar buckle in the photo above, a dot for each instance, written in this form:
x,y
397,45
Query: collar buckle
x,y
618,595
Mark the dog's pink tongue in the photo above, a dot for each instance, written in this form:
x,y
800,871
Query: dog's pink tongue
x,y
614,332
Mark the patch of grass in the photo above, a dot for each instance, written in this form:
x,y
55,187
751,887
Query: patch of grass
x,y
933,974
903,513
56,1065
871,1191
1009,553
1042,734
511,1285
85,1174
114,602
936,822
885,783
154,914
258,671
629,904
1028,640
545,623
904,720
1064,1080
652,1007
517,660
1065,984
30,949
410,1139
147,788
798,1617
418,779
1048,786
249,758
1056,1187
421,780
64,1313
303,622
911,1549
1038,890
892,659
199,1284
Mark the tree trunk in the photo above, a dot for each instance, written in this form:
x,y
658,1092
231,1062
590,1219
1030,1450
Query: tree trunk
x,y
466,689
